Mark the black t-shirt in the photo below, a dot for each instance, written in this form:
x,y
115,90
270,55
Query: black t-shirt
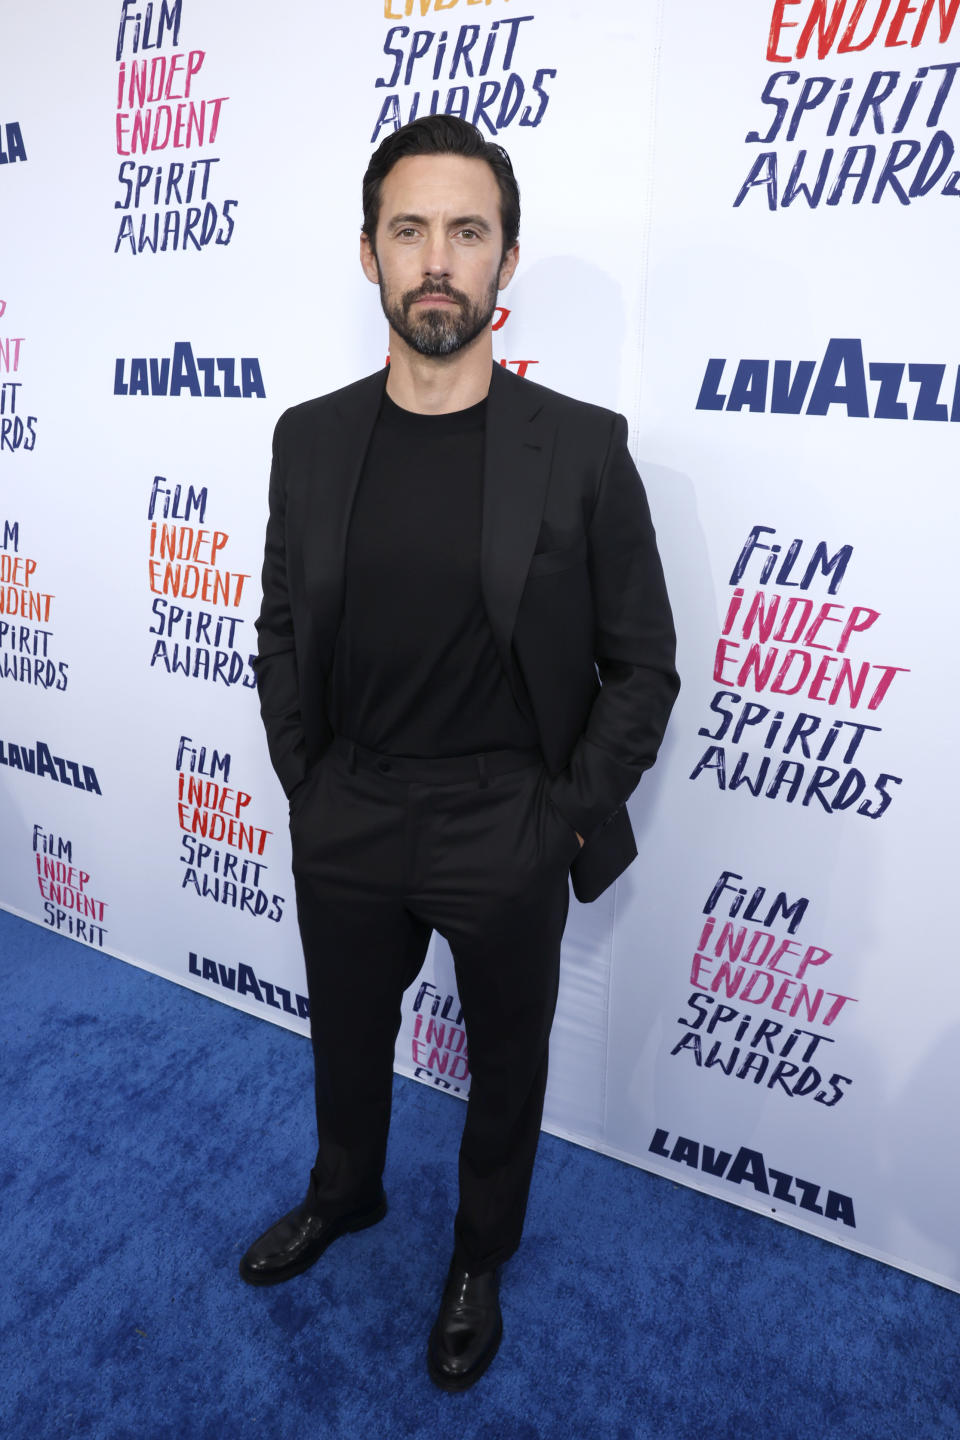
x,y
416,671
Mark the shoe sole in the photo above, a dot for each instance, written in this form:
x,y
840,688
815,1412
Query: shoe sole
x,y
454,1383
297,1267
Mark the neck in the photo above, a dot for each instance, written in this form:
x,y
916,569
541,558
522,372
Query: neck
x,y
438,386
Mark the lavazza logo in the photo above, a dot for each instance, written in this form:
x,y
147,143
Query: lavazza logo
x,y
183,373
859,388
749,1167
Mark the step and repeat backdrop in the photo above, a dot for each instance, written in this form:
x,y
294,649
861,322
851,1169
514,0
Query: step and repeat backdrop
x,y
739,229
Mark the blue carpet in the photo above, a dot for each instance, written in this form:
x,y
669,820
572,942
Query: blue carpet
x,y
148,1134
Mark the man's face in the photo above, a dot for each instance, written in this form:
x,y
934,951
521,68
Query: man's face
x,y
438,256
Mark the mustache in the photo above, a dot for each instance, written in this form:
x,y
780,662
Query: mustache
x,y
431,288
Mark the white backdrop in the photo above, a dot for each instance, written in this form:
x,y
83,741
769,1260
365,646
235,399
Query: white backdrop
x,y
764,1006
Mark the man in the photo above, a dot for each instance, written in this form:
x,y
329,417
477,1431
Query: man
x,y
452,554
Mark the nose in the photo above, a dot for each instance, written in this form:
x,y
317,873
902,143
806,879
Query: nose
x,y
436,257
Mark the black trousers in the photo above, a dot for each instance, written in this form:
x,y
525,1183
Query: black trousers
x,y
385,851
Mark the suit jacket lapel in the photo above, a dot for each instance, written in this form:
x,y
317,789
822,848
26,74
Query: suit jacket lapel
x,y
517,457
337,465
357,408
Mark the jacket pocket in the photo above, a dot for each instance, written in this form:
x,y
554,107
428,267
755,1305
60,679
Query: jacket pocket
x,y
547,562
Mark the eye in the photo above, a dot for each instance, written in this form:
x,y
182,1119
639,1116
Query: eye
x,y
468,234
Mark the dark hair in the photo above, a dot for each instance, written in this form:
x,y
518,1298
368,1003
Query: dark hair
x,y
441,135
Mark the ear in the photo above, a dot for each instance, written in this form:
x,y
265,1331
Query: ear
x,y
508,266
368,259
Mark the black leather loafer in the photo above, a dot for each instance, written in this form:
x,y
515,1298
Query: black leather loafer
x,y
468,1330
295,1242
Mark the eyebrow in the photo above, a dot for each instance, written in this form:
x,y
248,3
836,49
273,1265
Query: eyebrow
x,y
476,221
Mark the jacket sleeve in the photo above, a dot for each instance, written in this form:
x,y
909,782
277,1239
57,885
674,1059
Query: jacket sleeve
x,y
634,649
276,662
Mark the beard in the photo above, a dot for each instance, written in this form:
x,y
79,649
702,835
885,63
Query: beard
x,y
444,330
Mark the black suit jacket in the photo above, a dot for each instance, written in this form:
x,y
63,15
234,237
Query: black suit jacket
x,y
571,580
